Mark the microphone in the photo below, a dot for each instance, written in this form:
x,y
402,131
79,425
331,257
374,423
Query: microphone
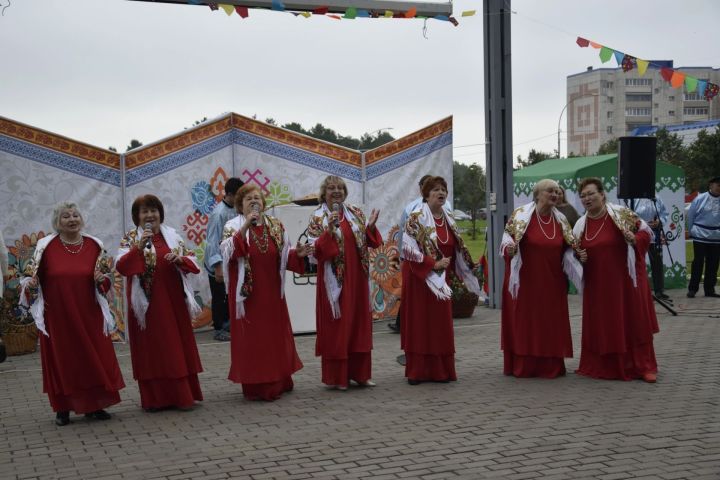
x,y
148,242
336,209
256,209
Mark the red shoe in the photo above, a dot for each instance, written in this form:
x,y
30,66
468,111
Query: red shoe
x,y
649,377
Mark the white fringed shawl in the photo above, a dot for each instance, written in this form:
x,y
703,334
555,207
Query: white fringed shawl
x,y
625,220
514,231
140,302
320,217
37,304
420,239
227,248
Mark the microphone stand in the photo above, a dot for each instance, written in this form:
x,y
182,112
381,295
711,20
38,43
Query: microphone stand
x,y
663,303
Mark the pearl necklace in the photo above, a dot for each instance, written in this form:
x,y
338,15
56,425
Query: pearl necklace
x,y
437,230
80,242
590,239
541,222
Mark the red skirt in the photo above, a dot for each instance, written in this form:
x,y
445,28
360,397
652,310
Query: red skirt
x,y
430,368
526,366
267,391
630,365
357,367
170,392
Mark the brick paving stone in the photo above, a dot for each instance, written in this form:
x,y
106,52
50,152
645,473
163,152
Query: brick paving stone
x,y
485,425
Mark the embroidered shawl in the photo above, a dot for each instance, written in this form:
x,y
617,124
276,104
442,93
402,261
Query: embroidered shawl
x,y
141,285
334,270
279,236
32,297
514,231
626,221
420,240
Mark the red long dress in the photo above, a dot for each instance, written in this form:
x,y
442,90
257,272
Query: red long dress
x,y
80,370
262,347
426,322
535,334
344,343
164,355
618,319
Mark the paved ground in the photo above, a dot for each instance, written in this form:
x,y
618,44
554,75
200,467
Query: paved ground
x,y
484,426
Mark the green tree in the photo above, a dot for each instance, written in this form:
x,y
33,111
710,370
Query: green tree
x,y
611,146
133,145
321,132
703,160
469,190
534,156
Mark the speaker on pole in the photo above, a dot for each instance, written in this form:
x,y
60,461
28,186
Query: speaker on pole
x,y
636,167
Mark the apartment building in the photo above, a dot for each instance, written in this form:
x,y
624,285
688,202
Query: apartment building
x,y
607,103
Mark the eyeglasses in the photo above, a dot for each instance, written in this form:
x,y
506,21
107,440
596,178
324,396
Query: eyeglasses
x,y
587,194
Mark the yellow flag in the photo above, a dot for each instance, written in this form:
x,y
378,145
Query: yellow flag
x,y
468,13
642,66
306,14
388,14
228,8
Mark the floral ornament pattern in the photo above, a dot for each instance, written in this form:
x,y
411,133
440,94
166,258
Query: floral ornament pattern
x,y
19,261
116,307
386,278
279,194
129,241
217,184
196,227
203,200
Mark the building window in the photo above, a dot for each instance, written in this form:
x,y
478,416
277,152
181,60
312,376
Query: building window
x,y
638,82
693,96
610,114
637,112
609,130
610,99
695,111
671,113
657,90
655,120
655,105
671,98
606,84
638,97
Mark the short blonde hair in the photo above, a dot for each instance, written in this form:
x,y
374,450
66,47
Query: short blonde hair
x,y
326,181
543,184
58,211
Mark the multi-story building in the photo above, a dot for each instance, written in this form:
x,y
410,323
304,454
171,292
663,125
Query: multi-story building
x,y
606,103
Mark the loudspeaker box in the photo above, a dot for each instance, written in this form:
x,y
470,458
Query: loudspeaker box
x,y
636,167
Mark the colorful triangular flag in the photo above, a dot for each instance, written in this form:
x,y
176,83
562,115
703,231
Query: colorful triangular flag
x,y
582,42
690,83
595,45
711,91
306,14
242,11
350,13
470,13
618,57
677,79
642,66
702,85
605,54
228,8
321,11
666,73
411,13
213,6
453,21
388,14
628,63
278,6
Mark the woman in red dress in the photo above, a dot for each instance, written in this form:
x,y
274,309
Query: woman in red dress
x,y
341,238
161,303
256,253
64,288
618,312
538,249
435,257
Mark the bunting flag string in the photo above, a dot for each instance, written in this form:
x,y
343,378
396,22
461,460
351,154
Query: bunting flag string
x,y
351,13
675,78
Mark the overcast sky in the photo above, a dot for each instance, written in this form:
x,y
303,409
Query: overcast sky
x,y
106,71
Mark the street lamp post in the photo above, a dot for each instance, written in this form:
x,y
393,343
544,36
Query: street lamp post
x,y
563,111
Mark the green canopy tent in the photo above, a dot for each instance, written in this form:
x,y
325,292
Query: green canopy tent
x,y
669,186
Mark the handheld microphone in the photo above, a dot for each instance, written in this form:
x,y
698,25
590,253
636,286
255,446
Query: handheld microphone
x,y
256,209
148,242
336,209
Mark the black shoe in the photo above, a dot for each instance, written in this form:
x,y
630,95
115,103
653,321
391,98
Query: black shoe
x,y
3,351
713,294
394,327
62,418
414,382
691,294
99,415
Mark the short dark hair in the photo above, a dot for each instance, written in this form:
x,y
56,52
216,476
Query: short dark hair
x,y
591,181
422,180
148,201
714,180
233,185
431,183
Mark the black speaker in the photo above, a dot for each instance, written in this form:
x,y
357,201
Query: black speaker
x,y
636,167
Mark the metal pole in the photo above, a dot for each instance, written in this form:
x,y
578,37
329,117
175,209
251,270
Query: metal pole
x,y
123,194
498,135
363,175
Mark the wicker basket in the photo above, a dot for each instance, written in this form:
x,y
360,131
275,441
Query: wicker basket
x,y
464,305
20,339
